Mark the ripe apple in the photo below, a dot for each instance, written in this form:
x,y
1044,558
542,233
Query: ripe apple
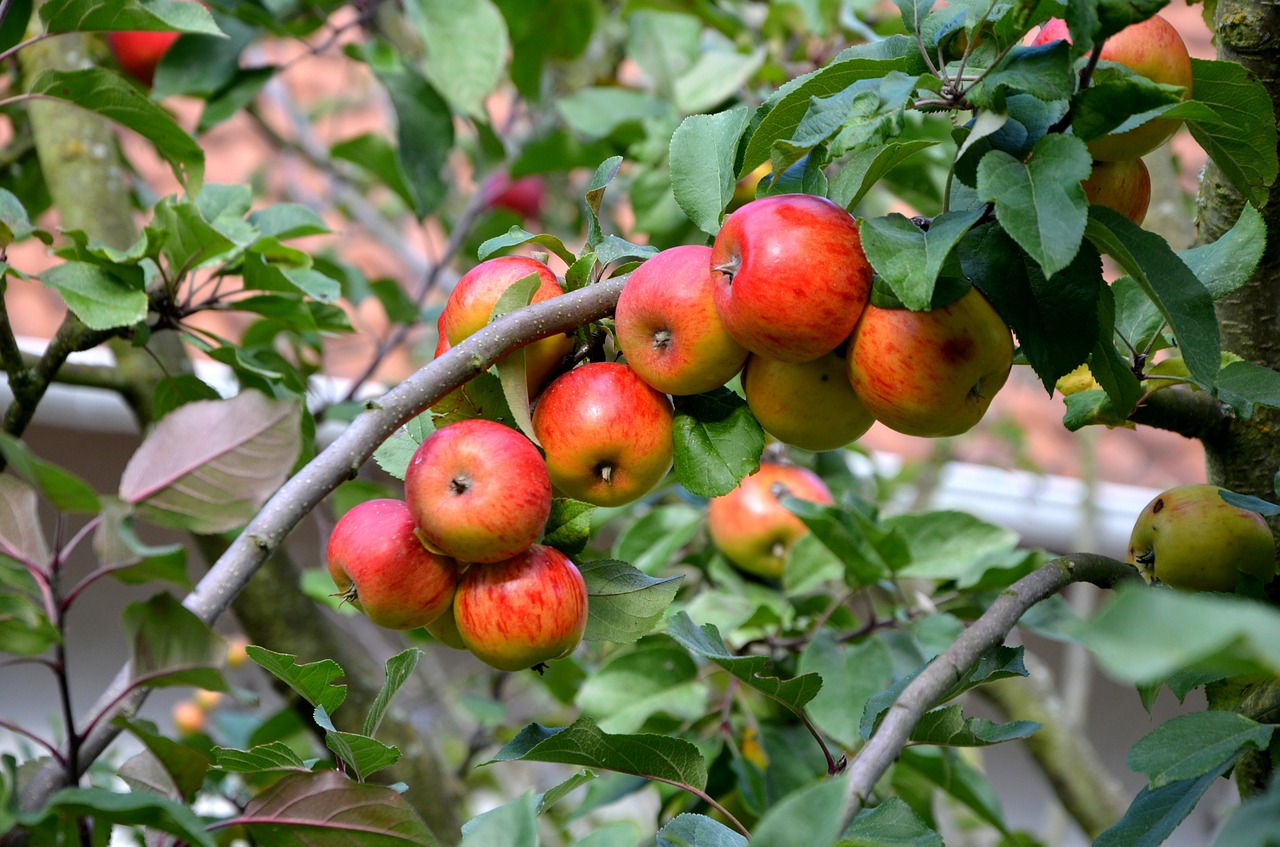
x,y
1124,186
138,53
478,491
1152,48
528,609
606,432
188,717
810,405
930,373
445,630
667,326
1190,538
379,563
790,276
524,196
471,304
752,528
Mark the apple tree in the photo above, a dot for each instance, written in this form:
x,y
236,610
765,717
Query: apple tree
x,y
816,688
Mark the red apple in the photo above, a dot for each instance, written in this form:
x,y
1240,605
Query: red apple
x,y
930,373
529,609
472,300
810,405
524,196
1152,48
1124,186
752,528
790,276
667,326
378,562
138,53
606,432
478,491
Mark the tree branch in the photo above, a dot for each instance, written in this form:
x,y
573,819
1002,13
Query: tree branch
x,y
1189,413
949,668
338,463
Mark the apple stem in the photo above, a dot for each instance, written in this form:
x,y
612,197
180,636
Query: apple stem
x,y
729,268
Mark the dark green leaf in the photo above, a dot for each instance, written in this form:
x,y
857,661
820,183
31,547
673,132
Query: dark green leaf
x,y
718,442
867,552
705,641
949,545
690,830
399,668
466,49
123,15
168,646
1244,385
850,675
1189,746
594,197
865,168
517,236
949,727
959,779
263,758
568,528
1154,814
1119,100
804,818
424,134
909,258
183,765
890,824
24,628
65,491
623,603
136,808
702,155
1043,71
376,155
1254,823
660,757
653,540
632,687
1243,141
314,681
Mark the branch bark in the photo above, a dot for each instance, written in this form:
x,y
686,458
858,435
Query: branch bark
x,y
338,462
946,670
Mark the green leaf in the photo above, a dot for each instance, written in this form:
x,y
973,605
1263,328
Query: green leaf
x,y
169,646
632,687
1189,746
623,603
100,299
1182,299
136,808
1043,71
183,765
1229,262
128,558
1120,99
21,533
865,168
1145,635
65,491
517,236
125,15
466,49
393,455
949,727
314,681
15,224
594,197
558,792
949,545
109,95
187,240
513,824
424,134
262,758
583,744
889,824
851,674
909,258
1155,813
716,76
705,641
717,442
868,552
1041,203
595,112
1254,823
362,754
1243,141
1244,385
24,628
399,669
690,830
1111,370
651,542
803,818
375,154
286,221
568,528
702,154
957,778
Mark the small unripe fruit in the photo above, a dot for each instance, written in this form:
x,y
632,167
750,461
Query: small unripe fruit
x,y
188,718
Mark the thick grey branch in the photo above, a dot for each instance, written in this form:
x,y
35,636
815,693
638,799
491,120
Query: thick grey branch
x,y
339,462
949,668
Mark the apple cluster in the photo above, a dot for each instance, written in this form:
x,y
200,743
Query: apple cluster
x,y
1153,48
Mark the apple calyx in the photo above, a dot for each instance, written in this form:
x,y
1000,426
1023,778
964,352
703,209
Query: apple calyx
x,y
460,485
605,471
662,339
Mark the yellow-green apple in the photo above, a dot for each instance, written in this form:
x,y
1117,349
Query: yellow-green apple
x,y
745,189
478,491
606,432
751,527
1190,538
931,373
790,276
1152,48
471,303
381,566
1124,186
528,609
445,630
810,405
667,326
138,53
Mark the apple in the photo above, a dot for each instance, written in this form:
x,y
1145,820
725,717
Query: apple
x,y
931,373
744,191
526,610
478,491
1152,48
810,405
524,196
751,527
667,326
471,303
188,718
790,276
1124,186
138,53
445,630
380,565
606,433
1189,537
